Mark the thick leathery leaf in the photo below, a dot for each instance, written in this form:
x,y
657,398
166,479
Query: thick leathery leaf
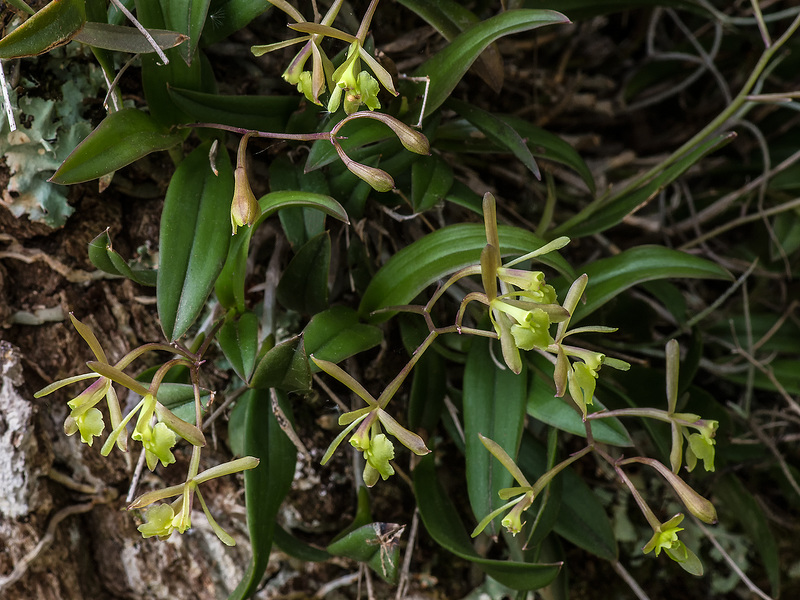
x,y
608,277
336,334
238,339
126,39
121,138
194,238
304,284
494,406
284,367
266,486
105,258
53,26
376,544
447,67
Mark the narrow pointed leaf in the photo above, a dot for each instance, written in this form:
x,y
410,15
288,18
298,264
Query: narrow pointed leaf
x,y
265,486
121,138
194,238
431,179
303,287
126,39
263,113
376,544
105,258
498,131
284,367
53,26
611,212
238,339
608,277
187,17
336,334
447,67
494,406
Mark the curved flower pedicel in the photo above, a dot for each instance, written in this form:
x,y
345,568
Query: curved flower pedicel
x,y
368,438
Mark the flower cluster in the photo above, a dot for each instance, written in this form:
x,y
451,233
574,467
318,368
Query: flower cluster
x,y
157,429
349,84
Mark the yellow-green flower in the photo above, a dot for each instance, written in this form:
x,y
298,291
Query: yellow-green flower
x,y
665,537
84,417
162,519
157,440
368,438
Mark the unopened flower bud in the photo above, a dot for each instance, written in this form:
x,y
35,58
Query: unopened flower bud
x,y
696,504
244,208
379,179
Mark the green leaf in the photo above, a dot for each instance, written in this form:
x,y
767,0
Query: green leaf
x,y
601,215
158,79
186,17
450,18
229,286
304,284
53,26
275,201
431,179
284,367
264,113
498,131
543,405
428,389
103,151
446,67
608,277
376,544
336,334
229,16
584,9
238,339
266,486
126,39
297,548
20,5
179,398
441,520
739,504
435,256
582,519
194,238
545,144
105,258
494,406
459,135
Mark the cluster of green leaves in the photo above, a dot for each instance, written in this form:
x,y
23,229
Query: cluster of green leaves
x,y
515,414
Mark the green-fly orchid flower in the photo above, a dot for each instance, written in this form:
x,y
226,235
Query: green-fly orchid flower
x,y
368,438
163,519
665,537
84,417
